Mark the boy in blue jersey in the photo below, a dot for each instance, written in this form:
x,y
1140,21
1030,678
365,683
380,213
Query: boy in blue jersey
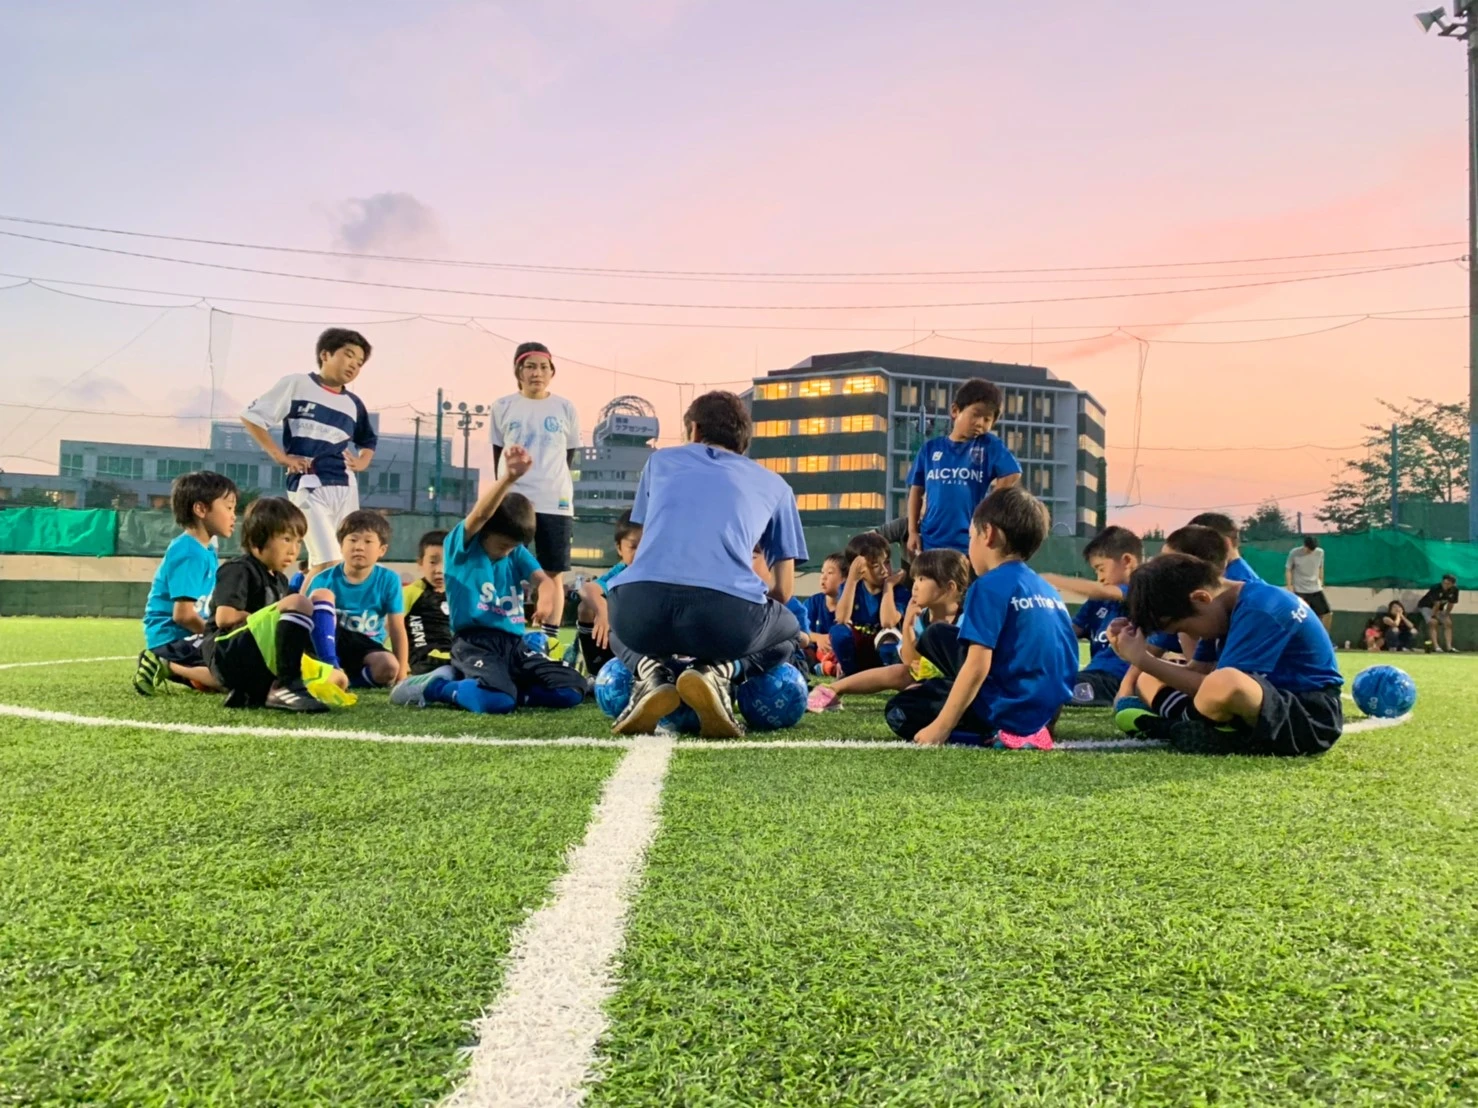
x,y
692,591
1224,525
370,641
1114,553
204,505
1275,688
1008,663
821,614
593,624
954,472
321,420
493,671
872,602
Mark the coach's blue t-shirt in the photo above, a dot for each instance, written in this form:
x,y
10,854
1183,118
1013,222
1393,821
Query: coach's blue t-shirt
x,y
955,477
188,572
1025,623
1093,621
867,607
367,606
1275,635
820,618
704,511
1239,570
481,592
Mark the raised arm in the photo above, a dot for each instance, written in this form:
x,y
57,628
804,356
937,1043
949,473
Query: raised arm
x,y
518,464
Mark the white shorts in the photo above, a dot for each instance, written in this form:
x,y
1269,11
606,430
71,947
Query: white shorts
x,y
325,507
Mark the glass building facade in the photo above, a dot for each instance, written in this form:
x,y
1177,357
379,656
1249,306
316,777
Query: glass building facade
x,y
843,429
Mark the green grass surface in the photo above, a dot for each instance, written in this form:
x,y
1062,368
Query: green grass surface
x,y
226,919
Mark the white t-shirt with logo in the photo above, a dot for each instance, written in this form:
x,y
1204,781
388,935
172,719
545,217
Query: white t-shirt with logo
x,y
1306,565
548,429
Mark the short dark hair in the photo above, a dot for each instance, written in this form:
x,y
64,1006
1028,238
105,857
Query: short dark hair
x,y
513,519
530,348
720,419
1310,542
270,516
625,528
365,520
869,545
1018,515
978,391
1450,577
1114,542
839,557
430,539
947,567
1160,590
1200,542
1223,525
203,487
336,338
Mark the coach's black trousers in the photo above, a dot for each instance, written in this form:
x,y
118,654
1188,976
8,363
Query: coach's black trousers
x,y
650,619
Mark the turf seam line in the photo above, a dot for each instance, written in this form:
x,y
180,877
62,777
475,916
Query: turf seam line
x,y
536,1045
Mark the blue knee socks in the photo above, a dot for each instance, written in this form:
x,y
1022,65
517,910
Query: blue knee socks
x,y
540,697
325,629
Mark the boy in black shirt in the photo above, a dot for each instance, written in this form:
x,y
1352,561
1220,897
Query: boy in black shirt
x,y
426,619
259,630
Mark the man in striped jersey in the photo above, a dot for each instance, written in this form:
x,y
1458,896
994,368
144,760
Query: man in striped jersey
x,y
326,440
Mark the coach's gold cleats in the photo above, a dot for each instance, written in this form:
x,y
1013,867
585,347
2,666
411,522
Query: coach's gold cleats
x,y
151,677
318,678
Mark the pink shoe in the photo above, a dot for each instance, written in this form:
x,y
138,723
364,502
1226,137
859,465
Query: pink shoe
x,y
823,698
1039,740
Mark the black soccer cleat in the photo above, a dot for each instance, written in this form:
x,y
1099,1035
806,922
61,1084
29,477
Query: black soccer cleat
x,y
653,696
709,691
293,696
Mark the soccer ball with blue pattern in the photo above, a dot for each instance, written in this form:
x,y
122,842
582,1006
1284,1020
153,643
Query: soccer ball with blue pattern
x,y
613,688
537,641
1384,691
774,699
684,721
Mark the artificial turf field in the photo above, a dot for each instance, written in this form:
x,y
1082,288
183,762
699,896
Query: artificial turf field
x,y
198,918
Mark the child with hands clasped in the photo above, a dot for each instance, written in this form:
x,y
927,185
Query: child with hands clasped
x,y
872,601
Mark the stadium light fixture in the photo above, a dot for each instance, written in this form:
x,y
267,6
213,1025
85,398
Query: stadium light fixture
x,y
1464,23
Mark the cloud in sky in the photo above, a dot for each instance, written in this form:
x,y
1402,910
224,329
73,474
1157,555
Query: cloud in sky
x,y
384,223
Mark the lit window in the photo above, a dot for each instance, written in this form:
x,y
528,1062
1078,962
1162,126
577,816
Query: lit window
x,y
587,553
908,396
821,387
855,385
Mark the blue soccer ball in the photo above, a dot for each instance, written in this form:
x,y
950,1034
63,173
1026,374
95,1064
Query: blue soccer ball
x,y
1384,691
537,641
774,699
684,721
613,688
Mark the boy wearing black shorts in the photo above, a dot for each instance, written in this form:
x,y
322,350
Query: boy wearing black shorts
x,y
427,620
1274,688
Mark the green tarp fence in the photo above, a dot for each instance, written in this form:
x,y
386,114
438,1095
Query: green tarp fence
x,y
1373,559
87,533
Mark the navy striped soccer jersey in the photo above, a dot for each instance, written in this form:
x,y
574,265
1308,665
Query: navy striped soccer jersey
x,y
317,423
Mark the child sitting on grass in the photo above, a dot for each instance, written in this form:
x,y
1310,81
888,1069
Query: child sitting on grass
x,y
371,642
940,579
179,600
1113,554
593,624
1275,688
821,615
872,601
493,671
1007,667
1237,568
260,633
427,624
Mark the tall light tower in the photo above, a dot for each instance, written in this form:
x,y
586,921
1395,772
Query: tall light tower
x,y
1461,26
467,422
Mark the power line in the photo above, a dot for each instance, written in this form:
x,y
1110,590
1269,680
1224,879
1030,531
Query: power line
x,y
405,315
1241,504
1240,449
716,307
697,273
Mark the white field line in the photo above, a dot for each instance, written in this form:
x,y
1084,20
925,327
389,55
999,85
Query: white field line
x,y
536,1045
68,662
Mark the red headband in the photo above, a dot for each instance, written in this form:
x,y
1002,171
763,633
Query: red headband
x,y
518,361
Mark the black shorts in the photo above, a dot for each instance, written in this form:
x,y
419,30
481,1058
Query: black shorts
x,y
182,652
1316,601
552,537
237,663
1102,686
354,650
429,658
1289,724
501,662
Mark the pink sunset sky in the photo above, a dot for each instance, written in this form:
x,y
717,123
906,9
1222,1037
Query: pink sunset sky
x,y
810,136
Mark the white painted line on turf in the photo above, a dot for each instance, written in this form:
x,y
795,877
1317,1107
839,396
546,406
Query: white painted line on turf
x,y
68,661
536,1044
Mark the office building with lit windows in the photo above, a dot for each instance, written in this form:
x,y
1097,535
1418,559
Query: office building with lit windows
x,y
843,429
